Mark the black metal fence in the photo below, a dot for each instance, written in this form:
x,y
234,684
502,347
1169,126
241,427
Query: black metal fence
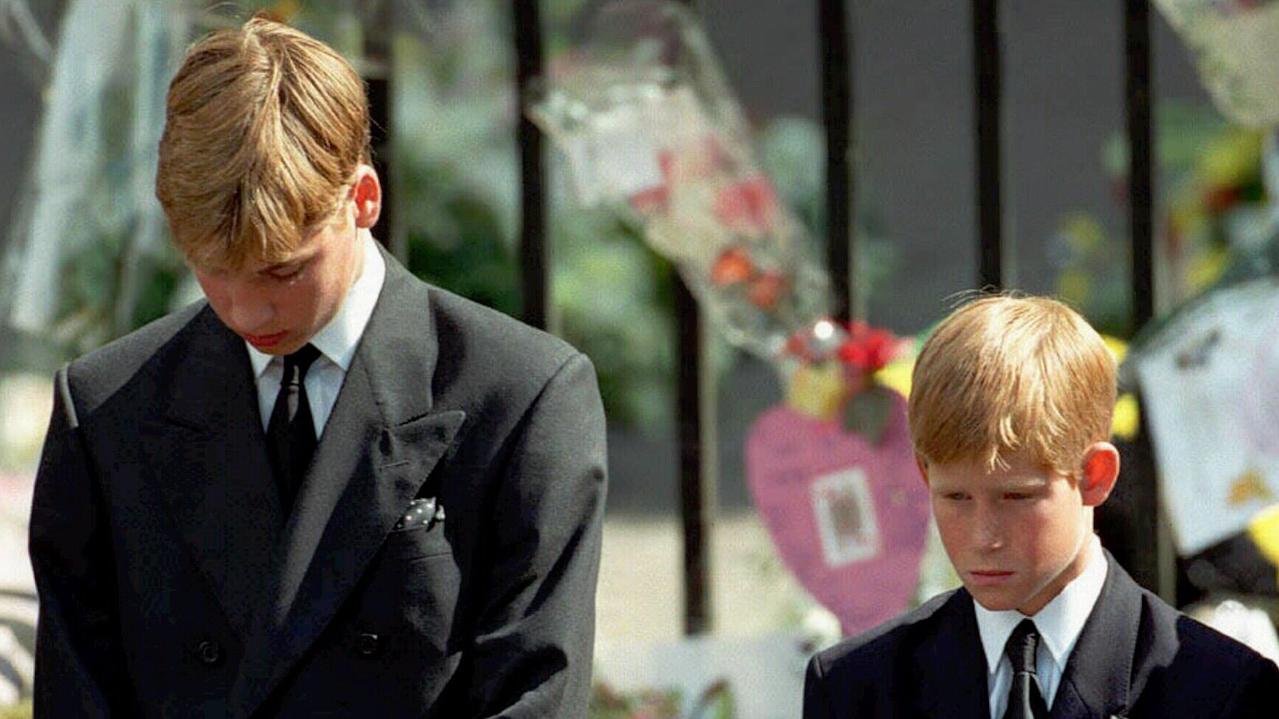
x,y
1130,523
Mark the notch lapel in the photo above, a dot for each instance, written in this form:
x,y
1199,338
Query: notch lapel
x,y
209,455
1098,676
952,665
380,444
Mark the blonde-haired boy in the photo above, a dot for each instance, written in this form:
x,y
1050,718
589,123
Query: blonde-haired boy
x,y
331,489
1010,413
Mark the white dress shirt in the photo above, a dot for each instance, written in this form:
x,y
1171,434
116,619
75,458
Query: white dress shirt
x,y
1059,624
336,342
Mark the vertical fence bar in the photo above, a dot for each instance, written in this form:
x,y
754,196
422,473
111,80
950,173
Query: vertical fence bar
x,y
527,27
697,443
696,425
1150,558
987,68
377,55
1137,103
841,237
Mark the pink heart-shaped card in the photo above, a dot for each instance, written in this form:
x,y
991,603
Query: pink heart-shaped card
x,y
849,518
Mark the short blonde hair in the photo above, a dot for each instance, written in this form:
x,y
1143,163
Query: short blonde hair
x,y
1003,375
264,128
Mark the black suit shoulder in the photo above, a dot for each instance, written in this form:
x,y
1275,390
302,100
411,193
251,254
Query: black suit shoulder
x,y
497,370
870,658
98,375
867,651
885,672
502,363
1198,670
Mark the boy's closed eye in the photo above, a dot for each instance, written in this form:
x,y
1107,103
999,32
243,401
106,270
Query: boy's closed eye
x,y
286,272
1011,495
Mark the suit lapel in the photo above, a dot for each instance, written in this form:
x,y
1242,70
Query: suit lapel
x,y
1097,678
378,447
951,664
212,467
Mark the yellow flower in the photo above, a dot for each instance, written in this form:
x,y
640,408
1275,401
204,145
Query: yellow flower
x,y
1231,159
1264,531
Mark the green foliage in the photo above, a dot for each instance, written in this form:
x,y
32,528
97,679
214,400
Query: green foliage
x,y
158,289
614,297
867,412
456,240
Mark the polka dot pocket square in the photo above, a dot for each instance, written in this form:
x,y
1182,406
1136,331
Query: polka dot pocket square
x,y
424,512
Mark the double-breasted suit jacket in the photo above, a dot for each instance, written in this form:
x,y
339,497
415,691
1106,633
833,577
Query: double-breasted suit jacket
x,y
172,584
1136,657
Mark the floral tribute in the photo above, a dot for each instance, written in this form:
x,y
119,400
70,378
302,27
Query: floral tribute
x,y
837,375
832,472
646,122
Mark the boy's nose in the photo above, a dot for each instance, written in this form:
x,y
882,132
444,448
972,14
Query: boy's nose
x,y
249,313
988,532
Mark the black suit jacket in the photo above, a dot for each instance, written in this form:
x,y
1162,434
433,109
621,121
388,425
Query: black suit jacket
x,y
171,585
1136,657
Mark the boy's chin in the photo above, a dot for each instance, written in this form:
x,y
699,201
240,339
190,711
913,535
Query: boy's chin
x,y
1004,599
995,599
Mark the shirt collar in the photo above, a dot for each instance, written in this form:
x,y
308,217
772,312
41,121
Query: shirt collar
x,y
338,340
1059,623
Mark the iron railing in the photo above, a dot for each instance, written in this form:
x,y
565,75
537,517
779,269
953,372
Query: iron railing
x,y
1130,527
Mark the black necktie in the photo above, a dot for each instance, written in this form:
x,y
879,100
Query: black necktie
x,y
290,434
1024,699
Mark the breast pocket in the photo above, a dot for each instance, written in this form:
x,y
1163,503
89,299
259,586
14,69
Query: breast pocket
x,y
419,532
411,595
418,542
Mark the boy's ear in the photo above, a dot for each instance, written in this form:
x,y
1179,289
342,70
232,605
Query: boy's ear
x,y
1100,470
367,195
922,464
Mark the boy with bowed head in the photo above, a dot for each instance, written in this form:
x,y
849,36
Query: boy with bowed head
x,y
1010,412
331,489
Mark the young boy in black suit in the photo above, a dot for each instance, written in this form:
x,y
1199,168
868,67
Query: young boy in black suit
x,y
1010,412
331,489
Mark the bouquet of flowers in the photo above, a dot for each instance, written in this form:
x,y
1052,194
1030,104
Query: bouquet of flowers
x,y
838,377
646,120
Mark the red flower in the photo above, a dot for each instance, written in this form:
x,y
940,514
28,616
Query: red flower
x,y
666,161
733,265
767,289
1219,199
797,346
748,206
650,201
867,349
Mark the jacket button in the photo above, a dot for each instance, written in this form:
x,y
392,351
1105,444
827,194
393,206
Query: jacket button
x,y
209,652
367,645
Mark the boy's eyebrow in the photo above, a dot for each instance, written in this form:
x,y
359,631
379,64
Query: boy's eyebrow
x,y
289,263
1022,483
1010,484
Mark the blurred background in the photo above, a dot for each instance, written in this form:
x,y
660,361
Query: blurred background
x,y
698,613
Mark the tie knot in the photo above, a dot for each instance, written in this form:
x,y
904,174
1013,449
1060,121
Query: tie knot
x,y
301,360
1021,647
